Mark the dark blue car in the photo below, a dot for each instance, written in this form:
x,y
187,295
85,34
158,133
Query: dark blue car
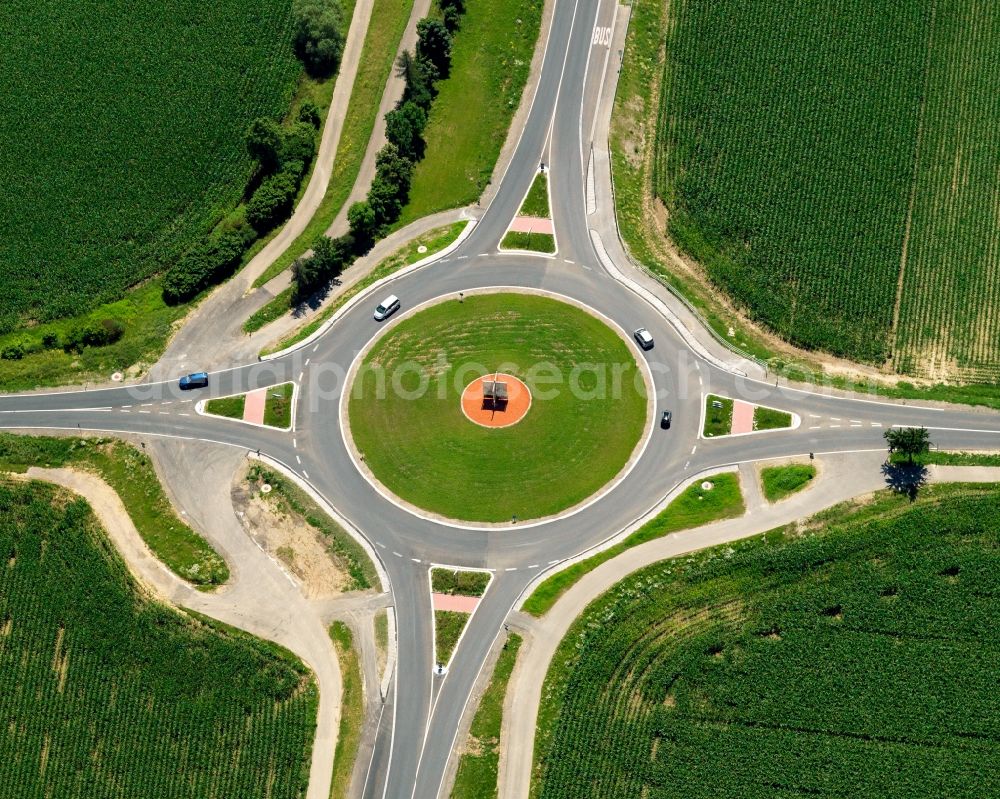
x,y
196,380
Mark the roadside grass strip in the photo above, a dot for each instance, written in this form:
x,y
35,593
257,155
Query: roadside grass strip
x,y
725,416
849,654
947,458
130,473
469,121
694,507
103,685
349,556
478,768
778,482
352,709
385,30
532,228
420,249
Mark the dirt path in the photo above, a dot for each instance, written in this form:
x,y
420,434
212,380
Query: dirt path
x,y
260,599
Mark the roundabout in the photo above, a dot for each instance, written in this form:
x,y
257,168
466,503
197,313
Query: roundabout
x,y
567,417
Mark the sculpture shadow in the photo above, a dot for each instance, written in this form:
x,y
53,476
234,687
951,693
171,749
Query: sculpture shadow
x,y
905,478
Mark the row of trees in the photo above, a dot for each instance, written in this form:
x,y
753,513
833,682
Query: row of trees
x,y
394,164
281,154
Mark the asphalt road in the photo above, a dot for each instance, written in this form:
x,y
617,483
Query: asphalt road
x,y
414,745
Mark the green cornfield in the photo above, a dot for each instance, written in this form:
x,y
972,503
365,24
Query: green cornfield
x,y
107,693
856,656
122,137
833,168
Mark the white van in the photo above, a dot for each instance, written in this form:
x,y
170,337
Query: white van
x,y
387,307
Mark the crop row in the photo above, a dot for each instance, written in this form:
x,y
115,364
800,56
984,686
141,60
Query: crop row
x,y
123,139
858,660
109,694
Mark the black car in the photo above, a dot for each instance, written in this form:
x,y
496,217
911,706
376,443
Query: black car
x,y
665,419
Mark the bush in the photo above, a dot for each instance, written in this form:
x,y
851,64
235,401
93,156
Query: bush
x,y
298,145
204,264
319,41
272,201
309,113
263,140
92,333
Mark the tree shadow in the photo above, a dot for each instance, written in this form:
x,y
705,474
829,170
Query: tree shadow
x,y
905,478
302,306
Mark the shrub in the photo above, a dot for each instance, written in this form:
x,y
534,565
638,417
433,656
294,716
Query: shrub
x,y
204,264
298,145
271,201
319,41
263,141
309,113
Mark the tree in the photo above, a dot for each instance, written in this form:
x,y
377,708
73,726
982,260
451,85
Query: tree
x,y
328,259
403,128
361,218
394,169
452,11
318,39
383,197
420,76
263,140
298,146
434,44
908,441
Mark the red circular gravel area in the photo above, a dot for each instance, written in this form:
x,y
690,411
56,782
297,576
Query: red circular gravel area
x,y
518,402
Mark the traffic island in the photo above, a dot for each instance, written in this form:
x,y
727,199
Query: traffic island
x,y
725,416
264,407
455,595
573,429
532,228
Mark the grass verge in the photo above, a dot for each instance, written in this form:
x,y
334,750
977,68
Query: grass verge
x,y
352,709
490,60
448,626
778,482
230,407
433,241
846,626
385,30
770,419
693,508
346,552
130,473
536,242
718,416
462,583
946,458
278,406
275,308
479,766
